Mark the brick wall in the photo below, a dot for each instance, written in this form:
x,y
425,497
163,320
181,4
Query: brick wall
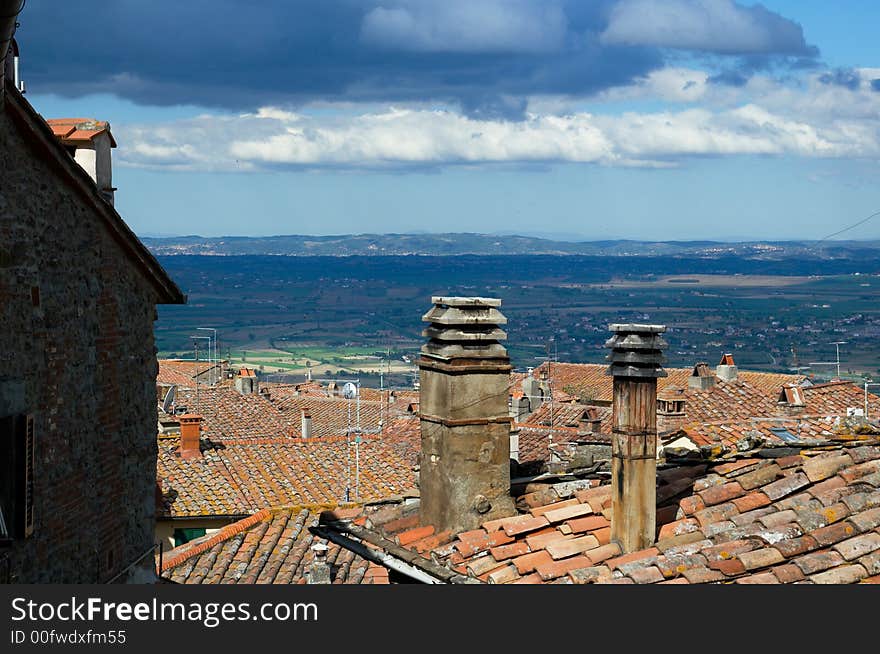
x,y
76,351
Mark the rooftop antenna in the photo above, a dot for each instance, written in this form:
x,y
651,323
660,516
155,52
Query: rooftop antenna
x,y
351,390
212,344
837,345
196,340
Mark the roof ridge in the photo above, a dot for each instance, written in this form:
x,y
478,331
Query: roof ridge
x,y
221,535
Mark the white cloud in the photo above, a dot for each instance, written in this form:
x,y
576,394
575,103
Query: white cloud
x,y
815,119
467,26
707,25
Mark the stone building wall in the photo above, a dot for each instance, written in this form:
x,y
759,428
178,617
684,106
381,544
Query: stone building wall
x,y
76,352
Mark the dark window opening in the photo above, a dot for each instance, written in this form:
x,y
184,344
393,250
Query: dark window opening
x,y
16,477
183,536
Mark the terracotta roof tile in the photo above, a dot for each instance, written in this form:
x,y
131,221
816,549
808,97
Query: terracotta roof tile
x,y
762,578
857,546
703,575
553,569
528,562
818,561
844,574
523,524
871,562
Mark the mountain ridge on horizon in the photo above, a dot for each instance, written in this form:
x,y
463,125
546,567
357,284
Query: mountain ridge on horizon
x,y
473,243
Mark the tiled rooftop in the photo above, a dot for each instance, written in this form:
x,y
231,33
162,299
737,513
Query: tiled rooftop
x,y
404,435
183,373
235,477
332,416
227,414
79,129
270,547
589,382
834,398
196,487
784,515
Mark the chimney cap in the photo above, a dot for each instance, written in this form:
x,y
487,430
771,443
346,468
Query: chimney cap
x,y
453,301
190,417
637,328
636,350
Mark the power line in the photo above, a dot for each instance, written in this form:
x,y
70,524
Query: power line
x,y
846,229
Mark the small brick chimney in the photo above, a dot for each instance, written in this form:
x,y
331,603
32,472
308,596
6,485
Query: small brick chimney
x,y
306,424
726,370
89,142
464,475
636,363
702,378
246,382
190,428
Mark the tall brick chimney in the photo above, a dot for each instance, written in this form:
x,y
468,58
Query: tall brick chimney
x,y
464,475
190,427
636,363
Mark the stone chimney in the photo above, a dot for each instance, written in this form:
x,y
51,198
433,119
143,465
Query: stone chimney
x,y
671,409
319,570
636,363
306,424
190,428
791,400
89,142
464,476
246,382
726,370
702,378
589,422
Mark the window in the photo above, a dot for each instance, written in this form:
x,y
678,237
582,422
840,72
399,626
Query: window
x,y
16,476
784,434
182,536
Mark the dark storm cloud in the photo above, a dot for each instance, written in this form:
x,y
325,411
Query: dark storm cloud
x,y
486,56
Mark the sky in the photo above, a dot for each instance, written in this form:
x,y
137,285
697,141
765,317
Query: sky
x,y
573,119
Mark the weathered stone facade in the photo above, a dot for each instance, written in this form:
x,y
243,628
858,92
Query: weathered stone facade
x,y
77,306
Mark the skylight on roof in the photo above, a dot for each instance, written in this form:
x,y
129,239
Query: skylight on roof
x,y
784,434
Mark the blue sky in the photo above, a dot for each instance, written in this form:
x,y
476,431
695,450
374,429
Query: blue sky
x,y
643,119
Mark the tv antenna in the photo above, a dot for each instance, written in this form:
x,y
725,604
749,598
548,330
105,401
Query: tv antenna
x,y
351,390
837,345
196,340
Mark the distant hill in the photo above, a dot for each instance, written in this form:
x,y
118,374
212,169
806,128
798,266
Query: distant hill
x,y
493,244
